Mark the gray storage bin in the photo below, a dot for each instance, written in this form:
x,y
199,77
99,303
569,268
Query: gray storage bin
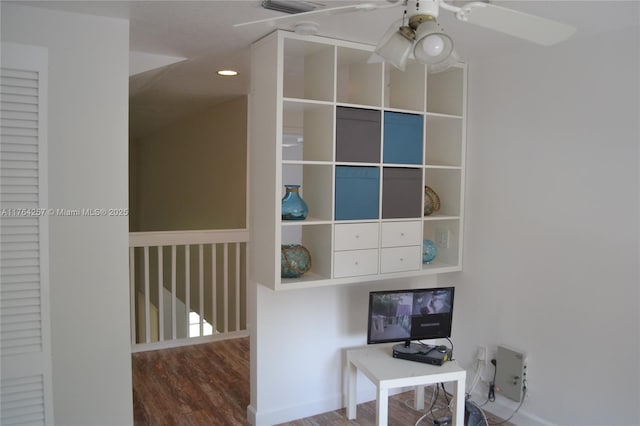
x,y
358,135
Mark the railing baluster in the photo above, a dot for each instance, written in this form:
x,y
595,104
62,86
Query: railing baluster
x,y
160,295
201,287
174,276
132,293
187,284
226,287
214,287
237,287
147,304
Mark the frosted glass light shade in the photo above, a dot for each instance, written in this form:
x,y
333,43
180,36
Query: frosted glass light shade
x,y
432,45
395,49
444,65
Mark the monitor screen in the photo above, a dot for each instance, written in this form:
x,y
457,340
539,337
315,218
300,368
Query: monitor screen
x,y
405,315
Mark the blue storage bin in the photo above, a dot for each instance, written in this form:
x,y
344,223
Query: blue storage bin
x,y
357,192
402,138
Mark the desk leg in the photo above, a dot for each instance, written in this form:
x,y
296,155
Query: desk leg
x,y
458,413
419,398
382,407
351,391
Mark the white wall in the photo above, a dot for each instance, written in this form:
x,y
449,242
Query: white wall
x,y
299,338
551,254
87,137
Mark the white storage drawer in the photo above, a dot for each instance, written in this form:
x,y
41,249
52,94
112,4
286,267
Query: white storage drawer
x,y
400,234
400,259
356,236
355,262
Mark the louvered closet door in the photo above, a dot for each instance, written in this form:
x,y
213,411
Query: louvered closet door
x,y
24,300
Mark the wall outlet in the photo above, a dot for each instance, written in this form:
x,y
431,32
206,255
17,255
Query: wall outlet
x,y
481,354
511,371
442,237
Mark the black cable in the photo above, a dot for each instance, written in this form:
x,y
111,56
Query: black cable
x,y
492,385
446,395
451,343
434,400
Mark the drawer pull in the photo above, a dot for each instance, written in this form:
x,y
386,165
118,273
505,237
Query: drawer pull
x,y
402,234
357,235
356,263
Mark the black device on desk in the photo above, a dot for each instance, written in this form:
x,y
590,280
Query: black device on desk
x,y
429,354
412,315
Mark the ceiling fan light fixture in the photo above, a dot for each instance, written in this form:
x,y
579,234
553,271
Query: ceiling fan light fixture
x,y
444,65
395,48
432,46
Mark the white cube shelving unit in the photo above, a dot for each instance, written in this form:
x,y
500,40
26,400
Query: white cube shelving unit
x,y
297,85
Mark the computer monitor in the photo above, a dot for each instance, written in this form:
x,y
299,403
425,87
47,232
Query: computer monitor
x,y
406,315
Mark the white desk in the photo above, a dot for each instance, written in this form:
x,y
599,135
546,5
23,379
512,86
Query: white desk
x,y
377,363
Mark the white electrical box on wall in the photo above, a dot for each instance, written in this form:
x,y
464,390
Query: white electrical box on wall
x,y
511,371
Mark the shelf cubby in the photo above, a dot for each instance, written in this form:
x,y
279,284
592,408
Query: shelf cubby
x,y
446,183
309,125
317,239
445,92
443,135
446,235
308,70
358,81
405,90
316,187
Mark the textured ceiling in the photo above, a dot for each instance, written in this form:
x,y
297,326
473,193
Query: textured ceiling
x,y
203,33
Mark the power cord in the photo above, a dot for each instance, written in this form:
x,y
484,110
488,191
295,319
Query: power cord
x,y
492,385
477,376
451,343
524,394
430,412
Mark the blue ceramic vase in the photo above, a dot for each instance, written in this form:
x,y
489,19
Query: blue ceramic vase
x,y
293,206
295,260
429,251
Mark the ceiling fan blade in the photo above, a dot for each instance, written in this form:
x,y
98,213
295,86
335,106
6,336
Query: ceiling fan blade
x,y
283,19
518,24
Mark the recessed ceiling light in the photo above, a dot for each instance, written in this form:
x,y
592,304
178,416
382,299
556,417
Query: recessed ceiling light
x,y
227,72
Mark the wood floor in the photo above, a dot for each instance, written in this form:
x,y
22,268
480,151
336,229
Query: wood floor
x,y
208,385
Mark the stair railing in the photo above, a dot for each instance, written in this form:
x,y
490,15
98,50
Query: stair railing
x,y
187,287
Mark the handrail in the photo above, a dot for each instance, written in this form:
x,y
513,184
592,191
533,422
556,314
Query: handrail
x,y
167,238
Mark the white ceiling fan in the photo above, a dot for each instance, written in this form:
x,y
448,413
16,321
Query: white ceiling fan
x,y
418,34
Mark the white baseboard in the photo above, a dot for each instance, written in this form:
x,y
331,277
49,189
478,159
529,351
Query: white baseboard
x,y
273,417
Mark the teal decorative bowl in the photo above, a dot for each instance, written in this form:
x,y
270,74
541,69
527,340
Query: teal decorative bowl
x,y
295,260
